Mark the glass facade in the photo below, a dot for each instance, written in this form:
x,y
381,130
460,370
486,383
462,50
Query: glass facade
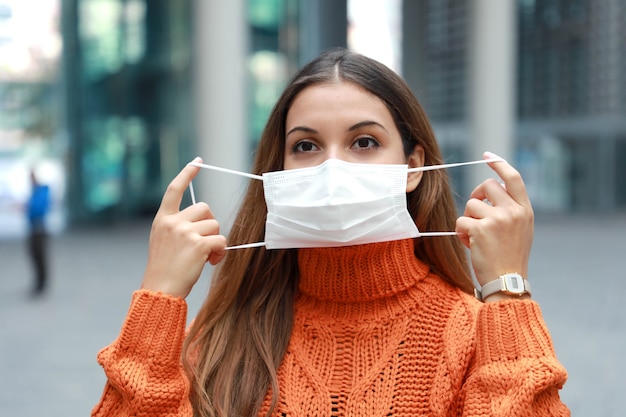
x,y
571,99
436,33
130,95
570,94
554,47
273,56
128,81
129,88
571,58
31,137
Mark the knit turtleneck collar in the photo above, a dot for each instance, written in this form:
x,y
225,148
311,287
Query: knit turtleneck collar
x,y
359,273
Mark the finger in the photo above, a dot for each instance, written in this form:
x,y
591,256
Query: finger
x,y
216,248
173,196
208,227
463,227
216,257
197,212
477,208
513,182
492,191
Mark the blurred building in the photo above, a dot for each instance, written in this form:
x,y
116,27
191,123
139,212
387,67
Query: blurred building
x,y
128,82
569,95
148,85
30,132
572,97
151,84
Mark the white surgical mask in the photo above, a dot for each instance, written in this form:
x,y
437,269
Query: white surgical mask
x,y
337,203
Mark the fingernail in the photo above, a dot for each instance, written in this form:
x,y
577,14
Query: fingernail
x,y
491,155
196,160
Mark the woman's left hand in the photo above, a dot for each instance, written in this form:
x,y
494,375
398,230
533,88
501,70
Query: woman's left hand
x,y
497,225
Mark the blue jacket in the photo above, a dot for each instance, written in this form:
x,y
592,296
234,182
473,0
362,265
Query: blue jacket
x,y
38,205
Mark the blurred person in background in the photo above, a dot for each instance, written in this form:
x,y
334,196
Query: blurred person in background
x,y
331,323
37,209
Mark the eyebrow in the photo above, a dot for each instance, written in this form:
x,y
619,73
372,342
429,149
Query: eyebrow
x,y
301,129
366,123
350,129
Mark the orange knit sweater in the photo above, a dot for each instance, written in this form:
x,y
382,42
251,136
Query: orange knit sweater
x,y
375,334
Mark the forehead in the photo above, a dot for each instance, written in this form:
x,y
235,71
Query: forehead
x,y
337,100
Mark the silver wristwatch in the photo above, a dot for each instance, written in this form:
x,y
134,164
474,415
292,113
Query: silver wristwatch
x,y
510,284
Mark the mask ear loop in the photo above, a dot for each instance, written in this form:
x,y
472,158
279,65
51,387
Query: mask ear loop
x,y
228,171
193,195
247,245
431,234
443,166
259,177
457,164
214,168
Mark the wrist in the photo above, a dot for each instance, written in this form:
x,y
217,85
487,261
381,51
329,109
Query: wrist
x,y
507,286
499,296
164,287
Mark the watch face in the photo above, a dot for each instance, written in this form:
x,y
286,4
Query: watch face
x,y
514,283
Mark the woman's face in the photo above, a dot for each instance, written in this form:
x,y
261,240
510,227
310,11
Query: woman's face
x,y
344,121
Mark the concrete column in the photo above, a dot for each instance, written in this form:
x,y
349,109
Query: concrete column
x,y
323,25
71,109
492,82
606,168
220,53
414,55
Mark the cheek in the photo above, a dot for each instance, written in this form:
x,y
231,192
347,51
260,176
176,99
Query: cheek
x,y
399,154
288,164
291,161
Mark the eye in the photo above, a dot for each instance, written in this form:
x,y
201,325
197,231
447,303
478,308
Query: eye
x,y
305,146
365,142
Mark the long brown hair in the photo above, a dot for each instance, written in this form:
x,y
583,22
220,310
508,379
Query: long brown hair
x,y
240,334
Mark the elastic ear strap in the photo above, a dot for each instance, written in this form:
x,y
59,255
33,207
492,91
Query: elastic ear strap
x,y
430,234
228,171
247,245
214,168
193,195
458,164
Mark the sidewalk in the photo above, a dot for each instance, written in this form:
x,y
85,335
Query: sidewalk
x,y
48,346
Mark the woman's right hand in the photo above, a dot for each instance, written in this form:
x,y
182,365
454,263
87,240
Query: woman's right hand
x,y
181,241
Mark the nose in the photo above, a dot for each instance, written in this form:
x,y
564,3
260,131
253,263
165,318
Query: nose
x,y
336,152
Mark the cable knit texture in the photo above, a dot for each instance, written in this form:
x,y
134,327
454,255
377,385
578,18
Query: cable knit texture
x,y
375,334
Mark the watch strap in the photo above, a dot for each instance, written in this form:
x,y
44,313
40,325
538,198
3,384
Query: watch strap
x,y
510,284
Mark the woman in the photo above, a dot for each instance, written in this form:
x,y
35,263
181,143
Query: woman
x,y
384,328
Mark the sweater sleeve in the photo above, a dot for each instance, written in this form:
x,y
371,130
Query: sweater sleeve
x,y
143,365
515,371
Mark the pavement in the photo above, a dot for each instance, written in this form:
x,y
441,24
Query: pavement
x,y
48,345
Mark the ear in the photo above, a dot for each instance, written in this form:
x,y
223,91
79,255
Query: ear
x,y
414,160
